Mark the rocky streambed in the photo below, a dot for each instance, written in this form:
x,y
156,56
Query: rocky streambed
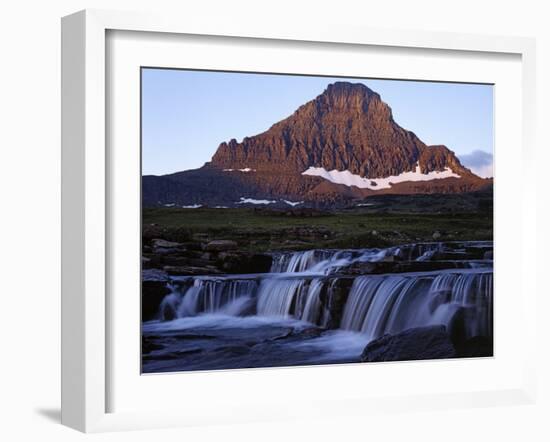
x,y
417,301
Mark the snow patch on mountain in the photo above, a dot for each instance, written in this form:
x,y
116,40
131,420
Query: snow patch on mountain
x,y
254,201
293,203
246,169
349,179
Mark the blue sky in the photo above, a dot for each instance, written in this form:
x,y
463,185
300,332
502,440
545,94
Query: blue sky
x,y
187,114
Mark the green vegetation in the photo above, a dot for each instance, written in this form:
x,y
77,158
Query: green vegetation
x,y
263,229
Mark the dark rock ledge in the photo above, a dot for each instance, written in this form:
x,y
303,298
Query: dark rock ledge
x,y
432,342
203,258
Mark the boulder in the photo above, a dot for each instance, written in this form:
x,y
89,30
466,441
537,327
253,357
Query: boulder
x,y
196,246
221,245
244,262
154,275
333,299
153,290
476,347
431,342
165,244
162,251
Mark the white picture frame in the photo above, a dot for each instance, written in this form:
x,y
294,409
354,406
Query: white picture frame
x,y
86,215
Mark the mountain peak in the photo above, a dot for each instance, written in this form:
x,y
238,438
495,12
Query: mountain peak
x,y
346,128
347,88
344,96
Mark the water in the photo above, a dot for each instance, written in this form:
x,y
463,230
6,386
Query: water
x,y
378,305
324,261
208,295
305,312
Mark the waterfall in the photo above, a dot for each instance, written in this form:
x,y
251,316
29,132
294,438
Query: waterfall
x,y
312,307
231,296
324,261
389,304
292,262
276,296
375,305
304,286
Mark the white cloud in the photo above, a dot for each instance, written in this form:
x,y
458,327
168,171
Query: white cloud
x,y
479,162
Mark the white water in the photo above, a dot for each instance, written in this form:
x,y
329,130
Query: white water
x,y
209,295
300,288
323,262
311,302
389,304
276,295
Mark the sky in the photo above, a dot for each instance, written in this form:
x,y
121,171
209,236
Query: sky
x,y
187,114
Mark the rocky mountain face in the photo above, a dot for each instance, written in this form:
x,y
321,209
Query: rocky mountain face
x,y
346,128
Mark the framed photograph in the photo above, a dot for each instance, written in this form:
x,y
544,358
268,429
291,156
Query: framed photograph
x,y
267,221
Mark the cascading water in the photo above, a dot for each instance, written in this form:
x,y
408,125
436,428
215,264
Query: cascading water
x,y
312,304
389,304
275,296
300,286
311,309
231,296
323,261
329,261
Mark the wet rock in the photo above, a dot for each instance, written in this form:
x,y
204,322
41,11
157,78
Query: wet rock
x,y
167,311
145,262
196,246
162,251
395,266
246,263
153,290
221,245
414,344
333,300
153,261
476,347
460,333
436,235
312,332
148,345
452,256
173,260
190,270
154,275
164,247
165,244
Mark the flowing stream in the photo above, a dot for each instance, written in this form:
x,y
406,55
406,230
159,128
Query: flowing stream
x,y
307,311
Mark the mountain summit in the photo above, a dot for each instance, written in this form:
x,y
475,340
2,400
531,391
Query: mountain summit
x,y
347,127
340,146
